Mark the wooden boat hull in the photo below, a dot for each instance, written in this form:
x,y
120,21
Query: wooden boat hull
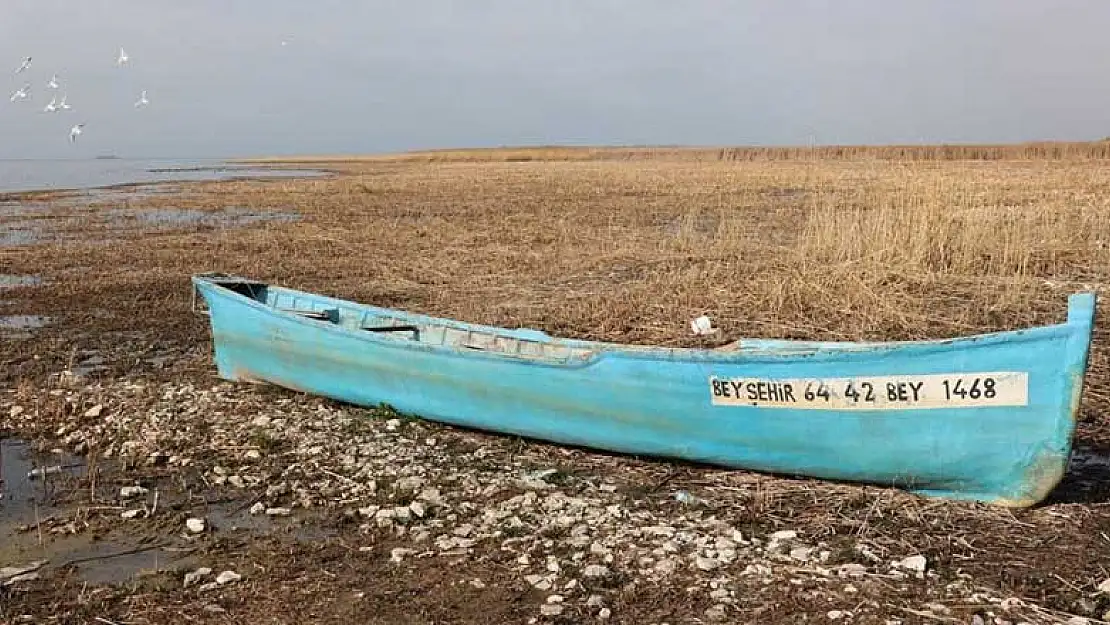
x,y
988,417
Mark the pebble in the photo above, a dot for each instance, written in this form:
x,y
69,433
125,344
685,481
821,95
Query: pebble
x,y
94,411
128,492
604,613
260,421
278,511
195,526
707,564
15,411
236,481
595,570
551,609
258,508
717,613
130,514
595,601
851,569
392,424
417,509
195,576
782,535
1104,587
252,454
228,577
397,554
835,615
556,599
916,563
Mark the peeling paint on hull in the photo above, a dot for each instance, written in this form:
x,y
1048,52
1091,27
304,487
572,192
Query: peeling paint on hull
x,y
660,401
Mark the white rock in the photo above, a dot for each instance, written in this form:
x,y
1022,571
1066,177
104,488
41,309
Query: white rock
x,y
916,563
95,411
801,554
784,535
719,594
604,613
260,421
128,492
477,583
130,514
594,601
392,424
556,599
707,564
417,509
398,553
851,569
258,508
228,577
1104,587
595,570
551,609
278,511
15,411
195,526
836,614
717,613
236,481
195,576
1078,620
409,484
252,454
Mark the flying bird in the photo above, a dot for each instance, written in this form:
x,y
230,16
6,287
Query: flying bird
x,y
142,100
122,57
53,84
21,94
73,132
52,106
26,63
62,106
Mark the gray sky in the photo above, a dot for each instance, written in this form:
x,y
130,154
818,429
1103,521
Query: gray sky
x,y
407,74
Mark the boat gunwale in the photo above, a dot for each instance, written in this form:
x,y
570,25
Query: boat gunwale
x,y
598,350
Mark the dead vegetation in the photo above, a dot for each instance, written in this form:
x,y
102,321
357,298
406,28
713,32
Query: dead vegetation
x,y
629,245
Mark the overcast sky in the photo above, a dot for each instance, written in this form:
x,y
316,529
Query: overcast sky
x,y
380,76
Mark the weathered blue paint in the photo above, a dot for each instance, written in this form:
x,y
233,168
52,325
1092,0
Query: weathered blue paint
x,y
656,401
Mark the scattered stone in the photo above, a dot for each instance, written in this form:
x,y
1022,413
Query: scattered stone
x,y
129,492
94,411
551,609
397,554
717,613
604,614
15,411
392,424
409,484
556,599
707,564
130,514
802,554
782,535
851,569
477,583
1075,620
228,577
194,525
236,481
835,615
595,601
257,508
1104,587
195,576
278,511
596,570
417,509
916,563
252,454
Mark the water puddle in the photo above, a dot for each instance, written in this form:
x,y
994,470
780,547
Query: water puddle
x,y
20,326
230,217
30,480
10,281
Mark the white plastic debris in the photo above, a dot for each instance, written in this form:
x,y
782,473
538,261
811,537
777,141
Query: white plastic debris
x,y
912,563
702,326
195,526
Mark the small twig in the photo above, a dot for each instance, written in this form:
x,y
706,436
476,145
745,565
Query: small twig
x,y
154,507
109,556
104,620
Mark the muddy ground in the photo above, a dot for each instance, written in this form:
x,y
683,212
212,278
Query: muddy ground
x,y
140,488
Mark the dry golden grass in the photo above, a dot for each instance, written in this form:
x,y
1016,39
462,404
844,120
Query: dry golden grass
x,y
630,249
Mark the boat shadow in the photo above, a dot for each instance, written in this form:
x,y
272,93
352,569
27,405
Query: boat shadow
x,y
1087,480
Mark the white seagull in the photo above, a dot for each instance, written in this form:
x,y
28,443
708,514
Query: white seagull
x,y
142,100
62,106
53,106
26,63
122,57
73,132
21,94
53,84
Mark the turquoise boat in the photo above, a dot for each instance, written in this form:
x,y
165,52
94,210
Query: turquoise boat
x,y
988,417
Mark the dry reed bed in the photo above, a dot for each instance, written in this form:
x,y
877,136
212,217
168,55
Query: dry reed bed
x,y
630,251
